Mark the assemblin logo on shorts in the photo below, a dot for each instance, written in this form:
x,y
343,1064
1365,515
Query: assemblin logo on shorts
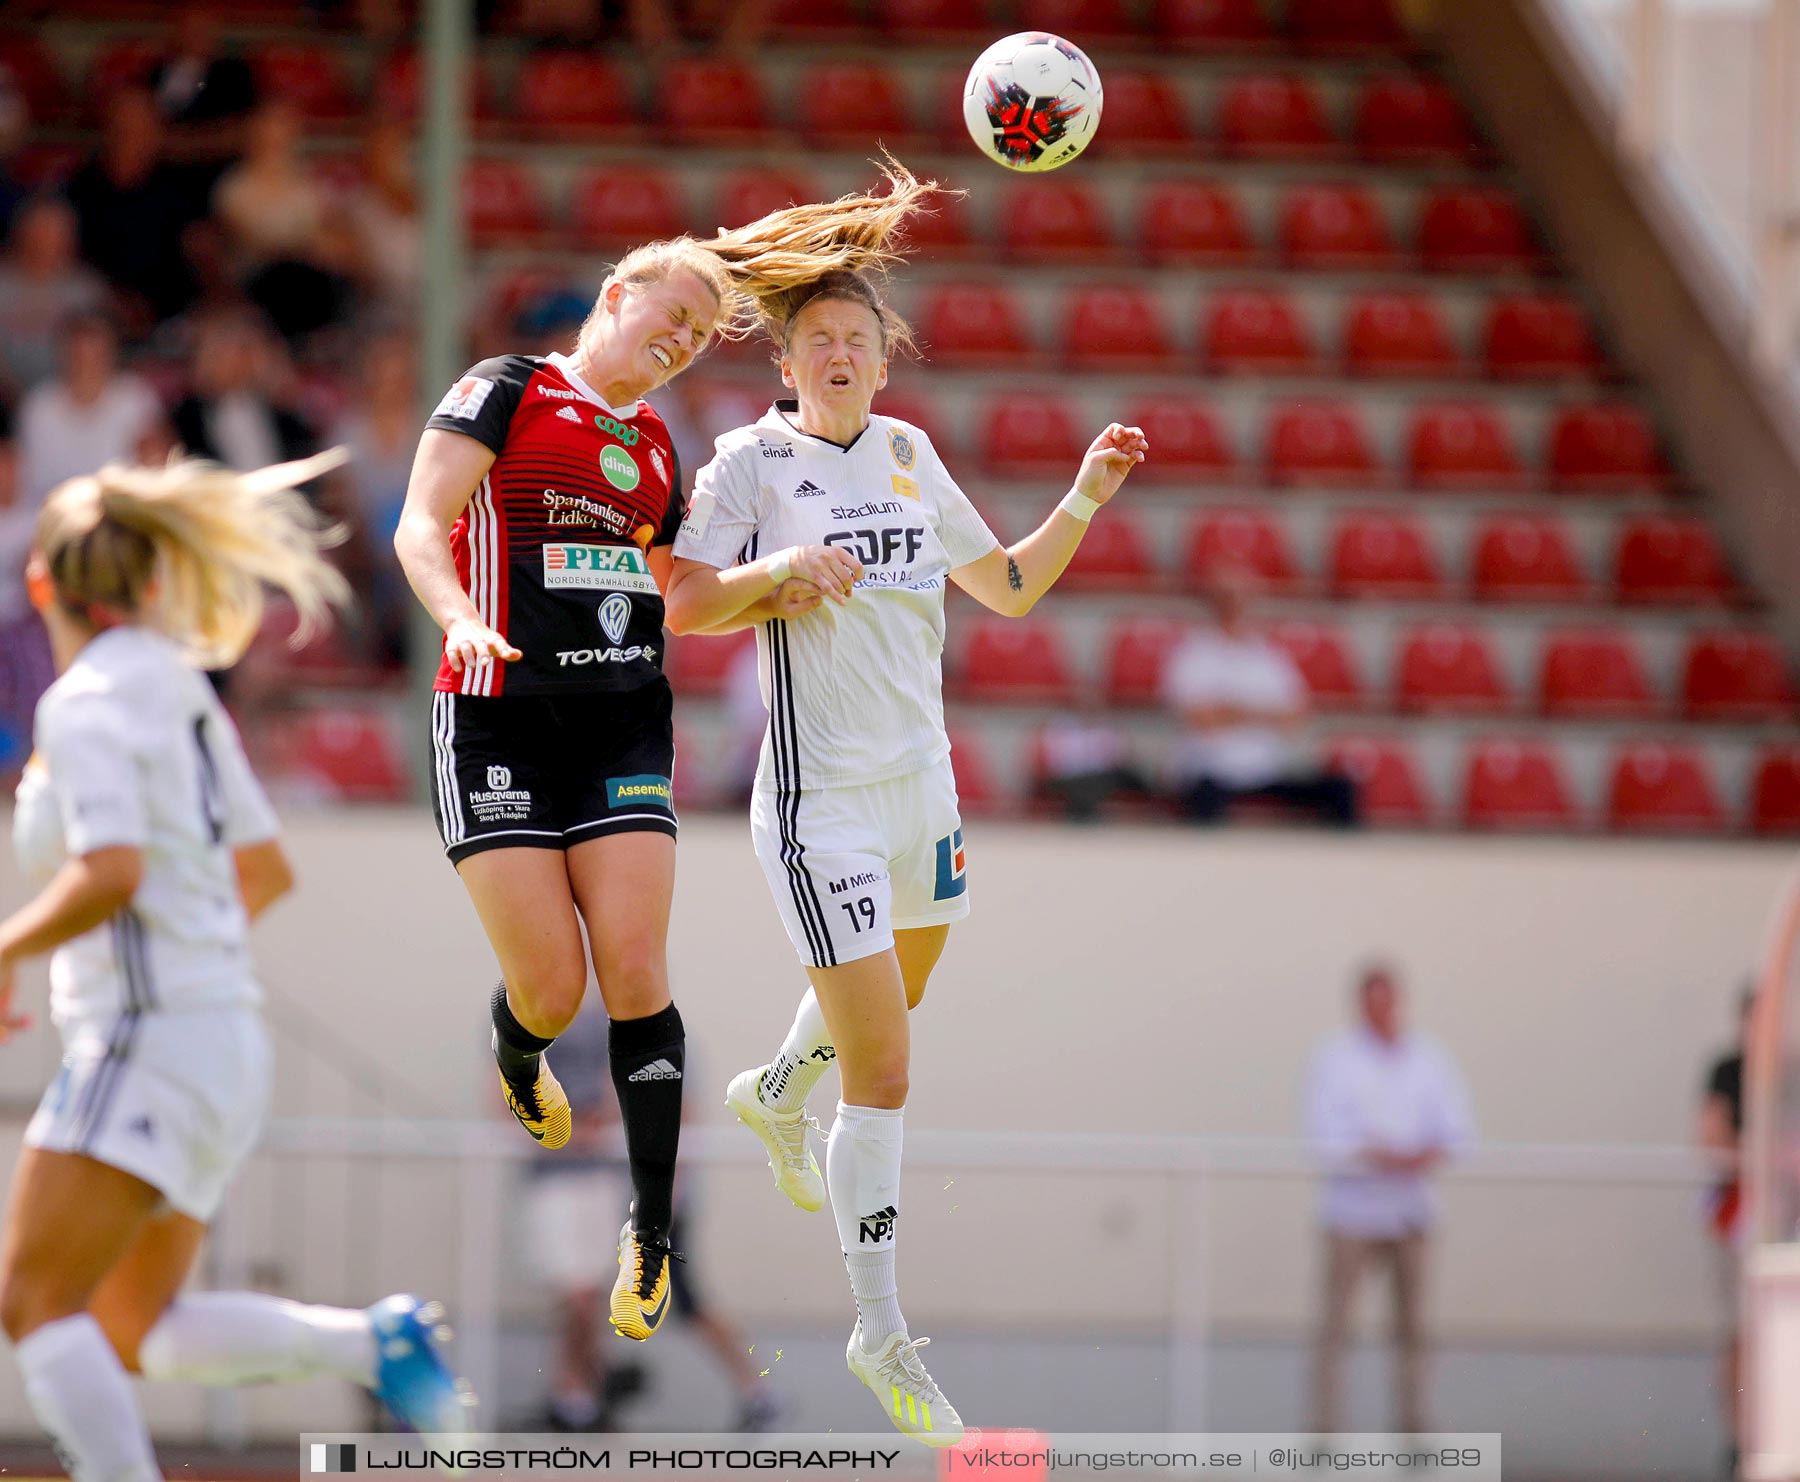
x,y
645,789
878,1227
856,881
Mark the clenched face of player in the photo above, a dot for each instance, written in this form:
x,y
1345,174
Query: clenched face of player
x,y
834,357
659,328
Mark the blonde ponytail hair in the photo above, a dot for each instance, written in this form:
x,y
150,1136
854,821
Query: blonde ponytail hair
x,y
189,548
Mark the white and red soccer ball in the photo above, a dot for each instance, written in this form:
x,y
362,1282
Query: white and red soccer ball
x,y
1032,101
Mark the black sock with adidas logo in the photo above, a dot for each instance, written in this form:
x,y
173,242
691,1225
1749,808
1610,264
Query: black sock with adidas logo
x,y
647,1057
516,1048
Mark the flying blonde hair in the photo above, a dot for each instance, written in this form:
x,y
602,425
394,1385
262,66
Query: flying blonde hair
x,y
190,548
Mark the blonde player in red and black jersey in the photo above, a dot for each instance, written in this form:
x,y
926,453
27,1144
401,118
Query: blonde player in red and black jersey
x,y
543,502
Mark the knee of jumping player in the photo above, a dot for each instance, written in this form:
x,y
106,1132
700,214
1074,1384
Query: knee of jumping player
x,y
545,1000
879,1081
634,975
31,1298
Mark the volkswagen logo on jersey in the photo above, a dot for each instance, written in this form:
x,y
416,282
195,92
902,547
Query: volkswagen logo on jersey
x,y
615,613
499,778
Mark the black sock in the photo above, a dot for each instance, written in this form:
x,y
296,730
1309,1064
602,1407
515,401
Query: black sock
x,y
647,1058
515,1047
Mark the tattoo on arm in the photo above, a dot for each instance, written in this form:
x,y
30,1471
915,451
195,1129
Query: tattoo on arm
x,y
1013,578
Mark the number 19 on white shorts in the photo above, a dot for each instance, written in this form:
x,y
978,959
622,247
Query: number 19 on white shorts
x,y
850,866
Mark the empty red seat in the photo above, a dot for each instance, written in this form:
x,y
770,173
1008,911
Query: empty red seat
x,y
1398,334
35,76
308,76
1258,331
1539,336
398,86
1112,328
1657,787
1664,559
710,100
566,91
944,229
699,663
355,754
1775,792
1604,447
1345,25
1515,784
972,324
1048,218
817,20
1026,435
620,204
1137,653
1192,222
1274,117
920,412
748,195
1018,661
1212,23
1465,230
1107,19
854,105
1411,117
1334,228
1390,788
1383,556
501,201
1113,555
1243,538
1593,674
1449,668
1735,675
1461,445
933,20
1144,112
1188,442
1319,442
1325,662
1526,558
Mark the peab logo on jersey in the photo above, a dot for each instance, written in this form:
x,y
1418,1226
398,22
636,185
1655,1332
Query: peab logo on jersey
x,y
952,868
900,444
464,400
598,568
499,778
615,617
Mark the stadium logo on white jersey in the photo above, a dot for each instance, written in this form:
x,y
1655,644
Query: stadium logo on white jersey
x,y
499,778
615,614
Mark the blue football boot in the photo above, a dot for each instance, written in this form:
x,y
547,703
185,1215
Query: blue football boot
x,y
411,1378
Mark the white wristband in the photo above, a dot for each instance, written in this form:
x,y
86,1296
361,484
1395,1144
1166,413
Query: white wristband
x,y
1079,505
781,566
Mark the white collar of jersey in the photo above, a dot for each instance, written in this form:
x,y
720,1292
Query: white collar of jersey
x,y
782,413
563,364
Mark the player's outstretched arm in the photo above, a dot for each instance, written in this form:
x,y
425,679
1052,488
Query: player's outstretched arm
x,y
704,599
1009,580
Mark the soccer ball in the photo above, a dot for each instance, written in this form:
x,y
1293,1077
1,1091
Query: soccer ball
x,y
1032,101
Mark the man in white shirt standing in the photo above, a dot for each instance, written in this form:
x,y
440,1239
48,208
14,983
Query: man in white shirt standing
x,y
94,414
1385,1109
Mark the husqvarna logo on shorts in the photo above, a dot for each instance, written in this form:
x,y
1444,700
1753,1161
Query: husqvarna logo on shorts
x,y
615,614
499,778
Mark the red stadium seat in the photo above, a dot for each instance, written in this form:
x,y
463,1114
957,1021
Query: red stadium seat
x,y
1658,788
1735,675
1109,328
1412,118
1213,24
922,413
854,105
1389,786
501,201
1113,556
972,324
1137,653
1239,537
944,230
558,91
36,77
1144,113
397,88
1448,668
1661,559
1335,228
933,20
1526,558
309,76
1775,792
710,100
1346,25
1274,117
1193,223
356,754
1325,662
1016,661
817,20
1515,785
1474,231
1189,444
1461,446
1540,336
1051,219
976,790
1030,436
746,195
1383,556
620,204
1319,443
1594,674
1256,331
699,663
1605,447
1108,20
1398,334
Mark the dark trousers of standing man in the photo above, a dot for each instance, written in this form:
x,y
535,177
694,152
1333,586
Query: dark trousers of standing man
x,y
1329,797
1347,1257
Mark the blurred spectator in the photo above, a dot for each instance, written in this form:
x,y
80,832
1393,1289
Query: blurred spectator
x,y
41,285
1241,697
94,413
1385,1108
1084,762
203,92
381,430
1721,1133
25,666
232,414
291,252
383,217
135,209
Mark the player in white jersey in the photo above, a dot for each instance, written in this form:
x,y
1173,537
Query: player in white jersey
x,y
152,846
854,814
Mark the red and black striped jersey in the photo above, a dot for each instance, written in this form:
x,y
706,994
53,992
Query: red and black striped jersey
x,y
551,547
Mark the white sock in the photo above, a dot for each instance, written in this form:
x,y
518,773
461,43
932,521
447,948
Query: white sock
x,y
862,1173
806,1054
230,1338
81,1394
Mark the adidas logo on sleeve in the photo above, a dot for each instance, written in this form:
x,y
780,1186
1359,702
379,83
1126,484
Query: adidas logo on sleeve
x,y
656,1070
